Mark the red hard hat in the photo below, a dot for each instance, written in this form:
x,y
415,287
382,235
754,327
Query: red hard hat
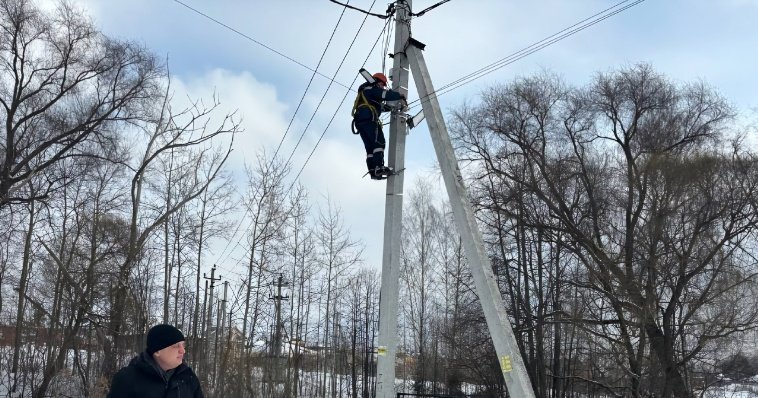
x,y
380,76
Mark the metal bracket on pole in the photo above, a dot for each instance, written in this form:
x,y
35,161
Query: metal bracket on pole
x,y
415,43
414,121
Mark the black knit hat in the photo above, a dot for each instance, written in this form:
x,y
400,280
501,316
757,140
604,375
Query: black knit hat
x,y
162,336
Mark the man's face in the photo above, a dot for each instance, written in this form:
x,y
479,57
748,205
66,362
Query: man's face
x,y
170,357
381,84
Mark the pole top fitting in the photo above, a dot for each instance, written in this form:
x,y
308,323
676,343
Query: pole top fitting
x,y
415,43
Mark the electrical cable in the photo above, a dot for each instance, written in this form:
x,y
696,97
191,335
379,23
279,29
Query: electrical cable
x,y
302,98
321,101
254,41
448,87
327,126
390,10
332,119
333,115
422,12
389,13
323,54
385,49
552,39
539,42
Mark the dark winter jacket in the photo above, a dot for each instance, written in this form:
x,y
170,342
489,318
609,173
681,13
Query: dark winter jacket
x,y
144,379
369,103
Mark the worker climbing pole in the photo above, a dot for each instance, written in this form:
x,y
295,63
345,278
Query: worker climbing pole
x,y
408,57
371,100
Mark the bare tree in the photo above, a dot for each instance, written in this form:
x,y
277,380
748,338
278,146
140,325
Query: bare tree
x,y
266,206
26,264
87,240
337,252
361,303
420,227
299,251
167,132
62,84
215,203
630,174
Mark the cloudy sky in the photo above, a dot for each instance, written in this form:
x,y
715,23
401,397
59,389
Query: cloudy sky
x,y
711,40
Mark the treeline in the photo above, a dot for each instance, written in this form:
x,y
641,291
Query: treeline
x,y
620,219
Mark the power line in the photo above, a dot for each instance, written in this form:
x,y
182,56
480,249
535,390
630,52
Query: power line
x,y
335,112
292,120
323,54
385,49
347,52
422,12
333,116
255,41
581,25
342,102
552,39
329,124
587,22
386,15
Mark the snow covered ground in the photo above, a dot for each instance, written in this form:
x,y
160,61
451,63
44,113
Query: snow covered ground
x,y
736,390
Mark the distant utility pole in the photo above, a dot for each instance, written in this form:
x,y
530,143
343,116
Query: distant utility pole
x,y
222,317
209,307
219,332
408,52
278,298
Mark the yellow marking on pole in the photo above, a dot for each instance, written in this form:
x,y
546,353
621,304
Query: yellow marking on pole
x,y
505,363
381,350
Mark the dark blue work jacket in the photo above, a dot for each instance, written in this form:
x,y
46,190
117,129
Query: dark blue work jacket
x,y
369,103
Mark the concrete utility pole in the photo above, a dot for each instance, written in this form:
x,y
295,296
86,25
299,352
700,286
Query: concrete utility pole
x,y
276,348
408,54
511,363
393,215
209,316
220,318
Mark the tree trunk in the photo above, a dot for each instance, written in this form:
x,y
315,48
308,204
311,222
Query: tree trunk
x,y
23,280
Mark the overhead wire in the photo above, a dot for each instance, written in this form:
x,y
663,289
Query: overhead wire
x,y
323,54
247,251
335,113
424,11
254,40
390,9
321,101
281,141
534,47
388,29
581,25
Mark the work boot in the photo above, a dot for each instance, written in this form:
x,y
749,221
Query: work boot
x,y
383,171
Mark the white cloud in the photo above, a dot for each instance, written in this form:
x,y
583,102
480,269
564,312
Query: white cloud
x,y
684,39
336,167
256,104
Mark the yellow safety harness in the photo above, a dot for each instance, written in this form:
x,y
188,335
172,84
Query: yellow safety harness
x,y
361,101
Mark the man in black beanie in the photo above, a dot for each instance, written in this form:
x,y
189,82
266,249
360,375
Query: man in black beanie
x,y
159,371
